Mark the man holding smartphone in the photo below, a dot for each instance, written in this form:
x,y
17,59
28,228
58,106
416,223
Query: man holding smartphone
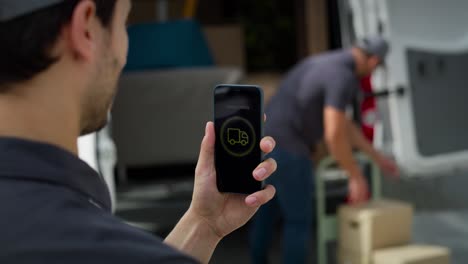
x,y
60,61
310,105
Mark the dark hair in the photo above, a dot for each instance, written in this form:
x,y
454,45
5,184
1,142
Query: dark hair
x,y
25,42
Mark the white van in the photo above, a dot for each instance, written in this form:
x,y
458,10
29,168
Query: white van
x,y
423,120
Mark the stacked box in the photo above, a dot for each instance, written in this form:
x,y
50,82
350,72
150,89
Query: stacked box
x,y
375,225
379,232
412,254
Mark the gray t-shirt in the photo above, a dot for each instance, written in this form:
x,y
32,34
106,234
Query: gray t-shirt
x,y
295,113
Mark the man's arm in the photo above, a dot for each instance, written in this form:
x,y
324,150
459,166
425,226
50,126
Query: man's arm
x,y
194,237
213,215
338,141
359,141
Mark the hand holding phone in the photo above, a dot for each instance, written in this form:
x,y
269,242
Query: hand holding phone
x,y
224,212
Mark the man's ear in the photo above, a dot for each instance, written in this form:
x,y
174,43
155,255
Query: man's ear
x,y
82,30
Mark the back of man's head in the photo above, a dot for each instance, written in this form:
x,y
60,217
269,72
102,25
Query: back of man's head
x,y
61,55
29,30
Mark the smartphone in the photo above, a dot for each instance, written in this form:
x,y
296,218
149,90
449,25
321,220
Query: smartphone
x,y
238,118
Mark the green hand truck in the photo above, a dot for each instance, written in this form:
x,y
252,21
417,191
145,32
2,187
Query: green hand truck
x,y
327,225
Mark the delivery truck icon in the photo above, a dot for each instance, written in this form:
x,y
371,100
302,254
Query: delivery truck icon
x,y
237,136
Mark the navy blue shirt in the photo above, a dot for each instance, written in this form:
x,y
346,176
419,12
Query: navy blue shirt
x,y
295,113
56,209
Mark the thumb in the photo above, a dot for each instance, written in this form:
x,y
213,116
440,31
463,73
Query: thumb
x,y
206,157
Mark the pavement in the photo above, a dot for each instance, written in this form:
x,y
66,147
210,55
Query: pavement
x,y
444,228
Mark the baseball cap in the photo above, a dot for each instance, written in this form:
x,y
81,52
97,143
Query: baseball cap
x,y
374,45
10,9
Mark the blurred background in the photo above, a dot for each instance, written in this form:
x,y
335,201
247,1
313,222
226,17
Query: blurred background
x,y
413,108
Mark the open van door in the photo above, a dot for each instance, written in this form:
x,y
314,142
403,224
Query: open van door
x,y
424,117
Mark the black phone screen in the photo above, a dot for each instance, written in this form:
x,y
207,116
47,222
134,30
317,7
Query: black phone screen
x,y
238,127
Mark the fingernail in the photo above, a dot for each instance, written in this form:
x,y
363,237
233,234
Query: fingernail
x,y
260,173
270,145
206,128
251,200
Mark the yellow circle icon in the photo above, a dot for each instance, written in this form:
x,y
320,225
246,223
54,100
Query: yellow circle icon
x,y
238,136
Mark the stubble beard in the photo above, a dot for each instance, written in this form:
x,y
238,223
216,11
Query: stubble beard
x,y
100,96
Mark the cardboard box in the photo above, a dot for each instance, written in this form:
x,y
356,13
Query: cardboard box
x,y
349,257
375,225
412,254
